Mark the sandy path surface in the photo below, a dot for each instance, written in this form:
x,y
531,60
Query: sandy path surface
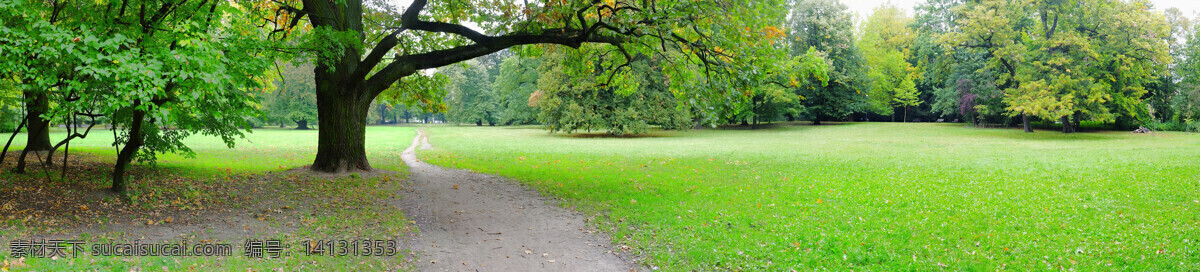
x,y
476,222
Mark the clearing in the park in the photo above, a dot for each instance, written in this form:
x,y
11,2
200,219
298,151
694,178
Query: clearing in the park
x,y
863,196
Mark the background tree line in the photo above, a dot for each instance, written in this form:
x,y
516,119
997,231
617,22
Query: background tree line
x,y
1051,64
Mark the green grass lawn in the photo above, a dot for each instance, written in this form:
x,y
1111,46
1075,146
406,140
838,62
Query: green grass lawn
x,y
866,196
344,208
262,150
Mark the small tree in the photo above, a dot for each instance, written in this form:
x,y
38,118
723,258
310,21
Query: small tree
x,y
906,96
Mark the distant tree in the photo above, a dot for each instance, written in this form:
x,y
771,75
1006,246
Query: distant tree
x,y
1070,60
828,27
1185,102
1163,93
383,111
515,83
886,42
470,96
294,99
960,80
906,96
573,96
970,90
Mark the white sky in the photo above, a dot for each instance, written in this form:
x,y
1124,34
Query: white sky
x,y
865,7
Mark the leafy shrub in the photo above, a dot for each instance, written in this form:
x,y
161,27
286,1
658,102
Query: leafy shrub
x,y
1165,126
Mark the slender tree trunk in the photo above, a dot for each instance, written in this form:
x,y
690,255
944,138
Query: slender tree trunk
x,y
343,117
1025,122
382,114
11,137
125,157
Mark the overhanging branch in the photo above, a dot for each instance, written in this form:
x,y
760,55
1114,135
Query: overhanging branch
x,y
408,64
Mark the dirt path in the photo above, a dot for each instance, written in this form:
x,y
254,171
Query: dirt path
x,y
477,222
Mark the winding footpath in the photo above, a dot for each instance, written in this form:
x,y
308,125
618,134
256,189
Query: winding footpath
x,y
475,222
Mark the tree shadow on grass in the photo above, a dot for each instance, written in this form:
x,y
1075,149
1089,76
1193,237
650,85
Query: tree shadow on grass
x,y
1055,135
612,136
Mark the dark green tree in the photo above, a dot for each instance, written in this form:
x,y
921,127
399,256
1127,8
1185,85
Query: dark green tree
x,y
294,97
515,83
574,96
470,97
828,27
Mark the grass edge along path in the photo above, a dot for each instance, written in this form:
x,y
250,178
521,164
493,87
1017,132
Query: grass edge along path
x,y
865,196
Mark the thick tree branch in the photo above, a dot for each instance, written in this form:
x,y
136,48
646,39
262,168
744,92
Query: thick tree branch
x,y
408,64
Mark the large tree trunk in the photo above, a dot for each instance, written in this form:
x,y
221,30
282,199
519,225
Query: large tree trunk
x,y
302,124
1066,124
1076,123
343,117
1025,122
38,138
125,157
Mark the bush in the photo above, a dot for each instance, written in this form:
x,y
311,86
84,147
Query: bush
x,y
1084,125
1167,126
255,122
7,126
